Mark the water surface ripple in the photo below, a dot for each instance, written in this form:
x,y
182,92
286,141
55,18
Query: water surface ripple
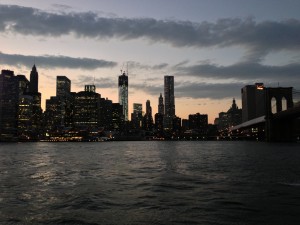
x,y
150,183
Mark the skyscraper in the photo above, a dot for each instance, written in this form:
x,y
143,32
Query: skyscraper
x,y
148,119
136,116
34,80
63,86
123,94
36,103
148,108
169,102
160,105
87,108
9,96
253,101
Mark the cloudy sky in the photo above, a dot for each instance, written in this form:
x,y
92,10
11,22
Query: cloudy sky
x,y
212,47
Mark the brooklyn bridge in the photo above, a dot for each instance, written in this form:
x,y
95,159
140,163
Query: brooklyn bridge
x,y
281,119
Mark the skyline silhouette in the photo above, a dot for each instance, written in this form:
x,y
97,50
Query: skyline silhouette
x,y
212,50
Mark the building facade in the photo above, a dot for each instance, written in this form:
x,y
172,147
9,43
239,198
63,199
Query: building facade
x,y
253,101
34,80
169,112
199,123
123,94
161,105
137,116
9,97
87,109
148,119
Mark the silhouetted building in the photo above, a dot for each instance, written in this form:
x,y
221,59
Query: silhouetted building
x,y
59,109
34,80
159,117
117,117
234,115
198,122
25,110
159,124
137,116
86,108
176,125
106,114
230,118
123,94
253,101
161,105
63,86
9,97
222,122
169,113
148,119
36,118
185,124
53,114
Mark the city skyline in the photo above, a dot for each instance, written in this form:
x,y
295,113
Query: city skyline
x,y
211,49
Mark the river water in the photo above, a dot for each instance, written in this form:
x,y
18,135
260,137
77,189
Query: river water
x,y
150,183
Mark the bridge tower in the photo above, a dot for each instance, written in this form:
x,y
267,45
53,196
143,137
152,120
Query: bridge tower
x,y
277,100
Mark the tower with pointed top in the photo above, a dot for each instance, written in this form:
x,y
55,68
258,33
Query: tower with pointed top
x,y
34,80
160,105
123,94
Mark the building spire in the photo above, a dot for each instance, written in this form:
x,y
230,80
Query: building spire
x,y
34,80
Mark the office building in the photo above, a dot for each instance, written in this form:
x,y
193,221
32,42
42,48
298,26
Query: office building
x,y
137,116
25,110
9,96
34,80
106,114
253,101
148,119
117,117
86,108
161,105
123,94
63,86
169,112
199,123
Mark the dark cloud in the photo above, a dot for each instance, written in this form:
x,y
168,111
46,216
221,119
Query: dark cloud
x,y
48,61
208,90
62,7
136,65
258,37
243,71
196,90
98,82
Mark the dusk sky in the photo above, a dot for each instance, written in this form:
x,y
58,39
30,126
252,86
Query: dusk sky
x,y
212,47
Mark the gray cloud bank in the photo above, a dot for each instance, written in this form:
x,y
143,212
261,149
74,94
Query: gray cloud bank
x,y
258,38
196,90
243,71
48,61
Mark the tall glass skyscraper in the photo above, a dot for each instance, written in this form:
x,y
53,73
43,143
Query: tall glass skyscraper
x,y
123,94
169,102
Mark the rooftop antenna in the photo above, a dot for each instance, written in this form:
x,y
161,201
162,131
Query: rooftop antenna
x,y
127,69
94,80
122,69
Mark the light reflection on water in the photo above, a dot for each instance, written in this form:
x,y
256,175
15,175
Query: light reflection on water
x,y
149,183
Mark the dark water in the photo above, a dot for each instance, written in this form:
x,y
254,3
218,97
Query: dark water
x,y
150,183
